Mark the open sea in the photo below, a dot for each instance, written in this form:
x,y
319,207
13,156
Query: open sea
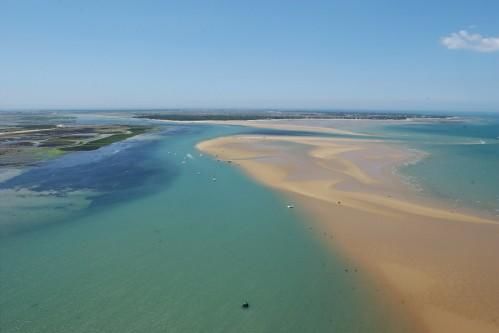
x,y
148,235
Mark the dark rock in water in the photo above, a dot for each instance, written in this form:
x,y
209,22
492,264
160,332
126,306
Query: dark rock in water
x,y
245,305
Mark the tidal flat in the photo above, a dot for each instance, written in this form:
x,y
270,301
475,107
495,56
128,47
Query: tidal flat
x,y
138,236
299,219
27,144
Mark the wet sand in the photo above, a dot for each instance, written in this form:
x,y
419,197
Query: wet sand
x,y
278,124
432,263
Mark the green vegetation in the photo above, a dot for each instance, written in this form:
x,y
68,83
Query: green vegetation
x,y
53,152
28,144
200,117
56,142
264,115
96,144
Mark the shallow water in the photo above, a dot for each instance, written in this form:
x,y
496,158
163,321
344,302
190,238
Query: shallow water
x,y
137,237
462,165
164,247
462,156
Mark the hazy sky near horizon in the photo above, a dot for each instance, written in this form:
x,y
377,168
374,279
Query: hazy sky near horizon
x,y
417,55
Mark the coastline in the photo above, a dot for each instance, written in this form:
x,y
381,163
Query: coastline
x,y
240,239
277,124
432,263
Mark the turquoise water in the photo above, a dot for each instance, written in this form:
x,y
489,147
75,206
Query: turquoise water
x,y
163,248
462,165
137,237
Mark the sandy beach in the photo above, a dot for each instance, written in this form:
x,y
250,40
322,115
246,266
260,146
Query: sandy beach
x,y
431,263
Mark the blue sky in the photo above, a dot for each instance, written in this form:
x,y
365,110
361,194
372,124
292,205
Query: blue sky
x,y
408,55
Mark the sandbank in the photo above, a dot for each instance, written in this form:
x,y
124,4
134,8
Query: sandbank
x,y
437,265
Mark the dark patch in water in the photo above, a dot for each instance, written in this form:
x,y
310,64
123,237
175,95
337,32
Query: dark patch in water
x,y
127,169
116,173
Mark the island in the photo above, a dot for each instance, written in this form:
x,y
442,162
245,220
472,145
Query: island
x,y
23,145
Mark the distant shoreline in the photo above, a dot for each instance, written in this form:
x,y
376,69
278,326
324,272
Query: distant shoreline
x,y
287,115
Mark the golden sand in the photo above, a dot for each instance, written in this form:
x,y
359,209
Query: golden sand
x,y
437,264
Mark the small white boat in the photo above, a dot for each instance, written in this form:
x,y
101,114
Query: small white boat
x,y
290,206
214,179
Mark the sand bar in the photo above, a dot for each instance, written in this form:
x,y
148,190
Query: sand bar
x,y
277,124
436,264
